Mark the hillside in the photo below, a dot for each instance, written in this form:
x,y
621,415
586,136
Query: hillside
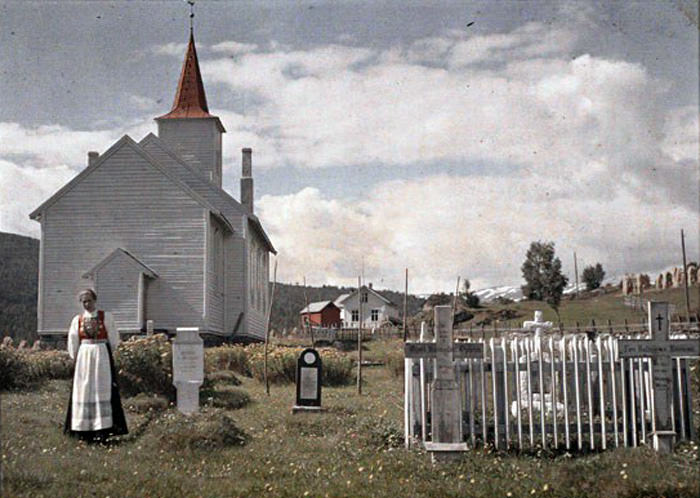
x,y
19,263
289,301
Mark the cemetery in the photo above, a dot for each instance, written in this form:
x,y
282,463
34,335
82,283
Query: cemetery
x,y
211,429
438,137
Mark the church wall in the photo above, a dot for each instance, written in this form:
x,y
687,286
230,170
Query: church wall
x,y
258,284
235,281
117,286
125,203
216,276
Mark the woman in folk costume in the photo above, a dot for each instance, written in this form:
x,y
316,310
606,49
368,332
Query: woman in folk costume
x,y
95,410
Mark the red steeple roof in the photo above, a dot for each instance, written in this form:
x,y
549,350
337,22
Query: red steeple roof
x,y
190,99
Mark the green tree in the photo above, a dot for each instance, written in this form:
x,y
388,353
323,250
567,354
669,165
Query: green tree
x,y
593,276
471,299
544,280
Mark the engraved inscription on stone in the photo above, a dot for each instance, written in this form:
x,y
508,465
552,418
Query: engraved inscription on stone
x,y
309,383
188,362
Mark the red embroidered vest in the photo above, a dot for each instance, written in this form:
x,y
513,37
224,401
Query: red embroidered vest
x,y
93,328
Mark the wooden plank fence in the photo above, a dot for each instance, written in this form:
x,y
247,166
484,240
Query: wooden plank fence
x,y
570,391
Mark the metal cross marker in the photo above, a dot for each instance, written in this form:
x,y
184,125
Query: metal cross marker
x,y
661,350
446,411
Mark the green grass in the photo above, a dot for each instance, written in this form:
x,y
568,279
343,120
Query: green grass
x,y
599,308
354,448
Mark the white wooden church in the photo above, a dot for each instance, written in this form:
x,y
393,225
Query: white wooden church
x,y
149,227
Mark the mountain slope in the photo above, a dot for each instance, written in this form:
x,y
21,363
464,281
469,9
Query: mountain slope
x,y
19,263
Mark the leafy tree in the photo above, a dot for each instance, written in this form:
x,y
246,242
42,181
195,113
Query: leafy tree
x,y
471,299
544,280
593,276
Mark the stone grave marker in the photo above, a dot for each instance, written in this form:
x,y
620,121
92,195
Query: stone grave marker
x,y
661,349
446,411
309,372
188,368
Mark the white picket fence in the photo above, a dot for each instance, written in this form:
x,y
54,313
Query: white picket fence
x,y
567,392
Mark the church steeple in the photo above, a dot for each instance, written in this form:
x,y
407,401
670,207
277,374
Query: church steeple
x,y
189,128
190,99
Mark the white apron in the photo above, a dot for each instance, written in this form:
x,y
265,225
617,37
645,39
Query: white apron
x,y
92,388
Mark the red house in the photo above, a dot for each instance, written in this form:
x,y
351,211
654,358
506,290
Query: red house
x,y
321,314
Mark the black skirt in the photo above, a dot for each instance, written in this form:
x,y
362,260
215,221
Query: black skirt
x,y
118,419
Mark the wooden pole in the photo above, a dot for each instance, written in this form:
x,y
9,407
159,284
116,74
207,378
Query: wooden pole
x,y
685,275
267,328
307,322
454,303
359,337
405,300
576,272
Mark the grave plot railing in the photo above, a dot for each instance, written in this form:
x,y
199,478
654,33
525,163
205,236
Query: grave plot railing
x,y
570,392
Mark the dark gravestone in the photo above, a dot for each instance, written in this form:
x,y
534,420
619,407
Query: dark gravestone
x,y
309,371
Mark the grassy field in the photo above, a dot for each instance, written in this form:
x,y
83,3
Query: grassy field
x,y
610,306
354,448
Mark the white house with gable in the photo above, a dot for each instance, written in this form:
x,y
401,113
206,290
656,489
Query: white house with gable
x,y
376,309
148,225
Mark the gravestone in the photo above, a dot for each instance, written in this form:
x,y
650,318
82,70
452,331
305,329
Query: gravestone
x,y
188,368
661,349
446,409
149,327
309,372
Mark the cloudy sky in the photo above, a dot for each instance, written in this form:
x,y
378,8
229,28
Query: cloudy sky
x,y
442,137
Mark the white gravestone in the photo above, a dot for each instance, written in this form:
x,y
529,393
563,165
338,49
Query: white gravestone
x,y
661,349
446,410
188,368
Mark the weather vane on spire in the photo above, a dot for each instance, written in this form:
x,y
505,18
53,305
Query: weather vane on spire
x,y
191,3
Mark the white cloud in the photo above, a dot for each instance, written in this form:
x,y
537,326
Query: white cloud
x,y
476,227
587,118
234,47
171,49
23,189
52,145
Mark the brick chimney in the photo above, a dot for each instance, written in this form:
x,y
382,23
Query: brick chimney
x,y
93,157
247,180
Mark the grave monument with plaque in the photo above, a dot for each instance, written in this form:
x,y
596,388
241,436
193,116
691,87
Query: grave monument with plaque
x,y
188,368
308,376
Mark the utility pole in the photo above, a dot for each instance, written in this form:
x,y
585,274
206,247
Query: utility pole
x,y
405,299
359,337
576,272
685,275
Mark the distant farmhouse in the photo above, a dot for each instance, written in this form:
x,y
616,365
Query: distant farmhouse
x,y
376,309
321,314
149,227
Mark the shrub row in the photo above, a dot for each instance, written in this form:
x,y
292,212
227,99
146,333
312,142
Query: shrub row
x,y
22,368
282,362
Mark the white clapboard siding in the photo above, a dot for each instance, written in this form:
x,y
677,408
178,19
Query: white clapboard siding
x,y
593,399
257,295
117,284
197,141
125,202
215,276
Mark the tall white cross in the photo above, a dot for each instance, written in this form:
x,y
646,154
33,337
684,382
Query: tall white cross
x,y
661,349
